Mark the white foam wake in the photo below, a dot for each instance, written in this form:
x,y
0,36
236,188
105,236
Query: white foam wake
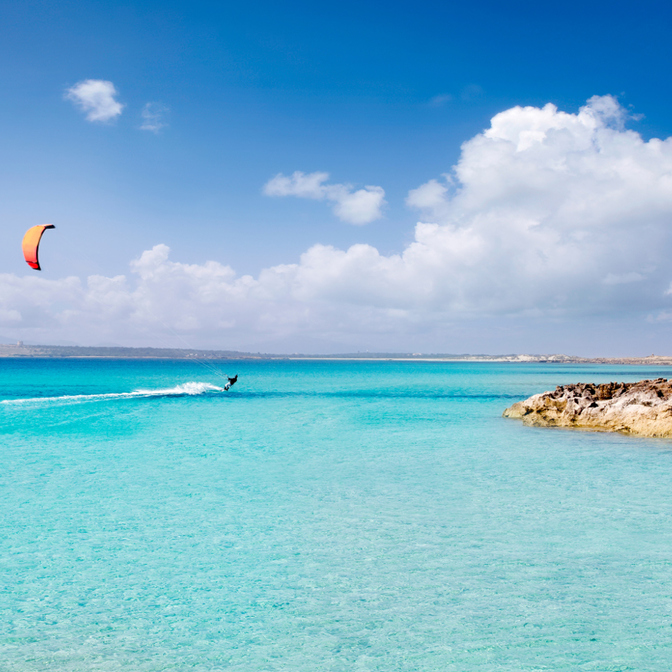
x,y
190,389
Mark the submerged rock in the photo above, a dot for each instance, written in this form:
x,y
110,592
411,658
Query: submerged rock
x,y
643,408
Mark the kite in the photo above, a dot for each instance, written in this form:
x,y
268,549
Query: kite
x,y
31,243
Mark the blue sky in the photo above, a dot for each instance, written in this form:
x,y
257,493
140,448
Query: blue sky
x,y
374,94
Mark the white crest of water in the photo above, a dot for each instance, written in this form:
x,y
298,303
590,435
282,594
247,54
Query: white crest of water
x,y
190,389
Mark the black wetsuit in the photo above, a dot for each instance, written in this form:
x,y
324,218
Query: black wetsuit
x,y
232,381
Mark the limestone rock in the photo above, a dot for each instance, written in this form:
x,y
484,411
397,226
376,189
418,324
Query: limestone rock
x,y
643,408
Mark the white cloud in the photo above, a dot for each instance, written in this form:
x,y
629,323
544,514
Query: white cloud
x,y
556,209
96,97
549,218
356,207
153,115
359,207
299,184
430,196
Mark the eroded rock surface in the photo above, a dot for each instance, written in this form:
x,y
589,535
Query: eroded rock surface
x,y
643,408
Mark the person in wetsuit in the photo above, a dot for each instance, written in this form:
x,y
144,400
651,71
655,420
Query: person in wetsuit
x,y
232,381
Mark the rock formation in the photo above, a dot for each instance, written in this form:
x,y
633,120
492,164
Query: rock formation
x,y
643,408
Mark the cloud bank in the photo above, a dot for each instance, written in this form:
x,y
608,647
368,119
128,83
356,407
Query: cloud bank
x,y
355,207
548,218
96,97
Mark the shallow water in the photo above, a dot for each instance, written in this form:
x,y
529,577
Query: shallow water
x,y
324,516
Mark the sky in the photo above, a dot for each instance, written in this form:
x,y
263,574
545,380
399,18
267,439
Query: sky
x,y
480,177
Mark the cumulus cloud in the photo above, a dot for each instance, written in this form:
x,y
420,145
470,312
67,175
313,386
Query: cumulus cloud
x,y
553,211
153,117
355,207
96,97
548,216
431,196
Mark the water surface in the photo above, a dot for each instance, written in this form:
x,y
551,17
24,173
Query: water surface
x,y
323,516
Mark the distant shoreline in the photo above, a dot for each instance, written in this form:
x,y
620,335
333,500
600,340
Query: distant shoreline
x,y
22,351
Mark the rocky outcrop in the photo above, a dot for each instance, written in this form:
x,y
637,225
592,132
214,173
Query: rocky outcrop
x,y
643,408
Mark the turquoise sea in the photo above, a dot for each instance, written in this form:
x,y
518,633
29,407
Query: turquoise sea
x,y
340,516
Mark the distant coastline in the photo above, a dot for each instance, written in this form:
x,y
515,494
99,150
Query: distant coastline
x,y
20,350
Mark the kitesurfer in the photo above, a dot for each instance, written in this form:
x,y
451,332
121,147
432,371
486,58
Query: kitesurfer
x,y
232,381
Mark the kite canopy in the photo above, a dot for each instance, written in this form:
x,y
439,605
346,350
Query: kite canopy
x,y
31,243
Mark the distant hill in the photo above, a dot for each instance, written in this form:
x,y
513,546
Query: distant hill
x,y
64,351
21,350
